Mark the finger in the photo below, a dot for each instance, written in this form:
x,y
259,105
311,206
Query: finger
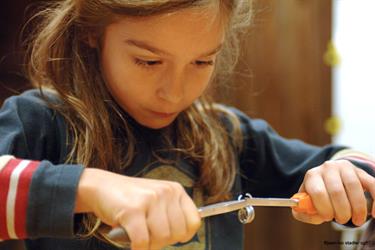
x,y
312,219
177,221
368,183
136,228
306,218
316,188
158,224
355,194
337,194
176,218
192,218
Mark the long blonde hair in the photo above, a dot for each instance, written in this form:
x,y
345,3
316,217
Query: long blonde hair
x,y
60,59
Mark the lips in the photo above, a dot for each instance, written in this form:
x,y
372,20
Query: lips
x,y
162,114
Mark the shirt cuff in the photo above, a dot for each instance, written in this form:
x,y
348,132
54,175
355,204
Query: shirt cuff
x,y
15,178
53,192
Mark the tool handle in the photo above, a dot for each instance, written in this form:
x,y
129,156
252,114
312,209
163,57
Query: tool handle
x,y
305,204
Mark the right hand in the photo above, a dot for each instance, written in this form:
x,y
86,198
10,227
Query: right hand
x,y
154,213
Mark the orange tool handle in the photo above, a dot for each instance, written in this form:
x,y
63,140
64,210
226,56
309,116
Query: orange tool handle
x,y
305,204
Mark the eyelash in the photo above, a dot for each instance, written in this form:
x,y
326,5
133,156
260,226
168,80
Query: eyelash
x,y
145,63
205,63
149,64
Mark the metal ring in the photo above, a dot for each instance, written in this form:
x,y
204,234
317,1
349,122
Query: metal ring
x,y
246,214
241,196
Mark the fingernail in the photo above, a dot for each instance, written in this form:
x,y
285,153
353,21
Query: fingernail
x,y
361,220
328,218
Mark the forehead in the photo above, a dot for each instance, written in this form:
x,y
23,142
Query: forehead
x,y
192,29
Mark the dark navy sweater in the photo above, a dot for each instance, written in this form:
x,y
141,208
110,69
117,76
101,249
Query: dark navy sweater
x,y
37,197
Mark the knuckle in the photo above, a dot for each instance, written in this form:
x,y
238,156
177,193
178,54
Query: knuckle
x,y
345,163
328,164
315,191
131,210
139,205
351,184
341,161
359,171
310,173
336,192
164,190
178,187
150,196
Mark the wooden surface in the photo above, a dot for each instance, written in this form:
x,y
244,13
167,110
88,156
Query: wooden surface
x,y
290,87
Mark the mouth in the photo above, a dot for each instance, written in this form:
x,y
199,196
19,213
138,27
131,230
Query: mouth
x,y
162,114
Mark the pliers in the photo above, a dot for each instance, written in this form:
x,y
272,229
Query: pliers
x,y
300,202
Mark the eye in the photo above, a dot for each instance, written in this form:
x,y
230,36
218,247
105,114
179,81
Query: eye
x,y
146,63
202,63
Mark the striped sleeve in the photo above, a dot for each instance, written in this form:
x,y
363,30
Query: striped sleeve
x,y
15,179
359,159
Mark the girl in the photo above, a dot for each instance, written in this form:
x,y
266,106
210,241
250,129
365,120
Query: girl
x,y
120,129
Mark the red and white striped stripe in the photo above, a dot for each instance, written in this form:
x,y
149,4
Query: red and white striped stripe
x,y
350,154
361,159
15,179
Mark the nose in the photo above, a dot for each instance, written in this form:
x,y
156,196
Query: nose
x,y
172,87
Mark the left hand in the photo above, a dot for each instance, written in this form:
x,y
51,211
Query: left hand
x,y
337,191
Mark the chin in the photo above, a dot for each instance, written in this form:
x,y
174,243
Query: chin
x,y
156,124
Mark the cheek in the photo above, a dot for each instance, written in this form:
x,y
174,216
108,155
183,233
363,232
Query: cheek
x,y
199,83
122,76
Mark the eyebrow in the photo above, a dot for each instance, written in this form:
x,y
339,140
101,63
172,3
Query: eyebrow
x,y
146,46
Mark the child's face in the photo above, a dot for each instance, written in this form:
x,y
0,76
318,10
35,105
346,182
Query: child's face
x,y
155,67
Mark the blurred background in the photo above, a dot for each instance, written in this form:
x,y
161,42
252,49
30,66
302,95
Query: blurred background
x,y
307,68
